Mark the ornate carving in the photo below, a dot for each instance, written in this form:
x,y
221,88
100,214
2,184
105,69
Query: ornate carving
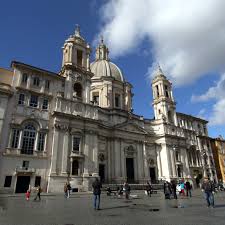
x,y
77,77
130,151
63,127
101,157
151,161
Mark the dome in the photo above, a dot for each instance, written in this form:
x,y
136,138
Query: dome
x,y
105,68
102,67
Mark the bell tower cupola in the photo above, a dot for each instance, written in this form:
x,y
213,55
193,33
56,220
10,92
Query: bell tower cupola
x,y
76,51
163,101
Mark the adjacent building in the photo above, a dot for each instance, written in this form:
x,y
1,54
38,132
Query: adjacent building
x,y
218,148
79,124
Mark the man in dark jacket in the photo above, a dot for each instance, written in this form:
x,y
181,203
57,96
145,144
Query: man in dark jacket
x,y
209,189
188,187
96,192
167,190
174,188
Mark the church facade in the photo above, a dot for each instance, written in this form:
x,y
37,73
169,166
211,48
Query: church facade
x,y
78,124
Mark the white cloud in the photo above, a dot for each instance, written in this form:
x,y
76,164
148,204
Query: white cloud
x,y
202,113
218,116
217,93
186,37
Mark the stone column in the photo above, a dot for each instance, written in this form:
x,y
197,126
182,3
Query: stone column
x,y
159,164
109,176
188,173
88,62
123,163
66,153
95,154
54,150
172,155
86,154
140,174
166,166
68,87
117,158
146,167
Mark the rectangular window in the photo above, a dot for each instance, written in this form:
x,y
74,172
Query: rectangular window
x,y
24,78
41,142
157,90
36,81
34,101
166,90
76,144
117,100
21,99
75,167
15,138
96,98
79,57
8,181
25,165
45,104
47,84
37,181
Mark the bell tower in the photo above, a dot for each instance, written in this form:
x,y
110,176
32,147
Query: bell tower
x,y
163,101
76,51
76,67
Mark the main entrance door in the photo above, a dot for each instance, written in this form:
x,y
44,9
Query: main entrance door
x,y
22,184
130,169
152,174
101,172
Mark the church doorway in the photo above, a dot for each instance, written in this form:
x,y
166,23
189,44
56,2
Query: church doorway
x,y
130,170
101,172
152,174
22,184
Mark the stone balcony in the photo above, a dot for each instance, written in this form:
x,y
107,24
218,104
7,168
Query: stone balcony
x,y
77,154
20,169
174,130
195,165
76,108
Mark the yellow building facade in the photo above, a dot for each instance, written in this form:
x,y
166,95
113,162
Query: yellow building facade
x,y
218,148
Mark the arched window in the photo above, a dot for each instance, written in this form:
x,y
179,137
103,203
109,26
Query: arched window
x,y
77,90
75,167
28,139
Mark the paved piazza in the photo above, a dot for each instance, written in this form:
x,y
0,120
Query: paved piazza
x,y
55,209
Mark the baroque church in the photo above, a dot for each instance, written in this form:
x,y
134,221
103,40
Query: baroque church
x,y
78,124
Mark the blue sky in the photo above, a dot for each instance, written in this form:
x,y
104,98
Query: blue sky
x,y
33,32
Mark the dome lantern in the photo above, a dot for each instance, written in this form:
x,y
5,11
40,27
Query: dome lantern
x,y
102,52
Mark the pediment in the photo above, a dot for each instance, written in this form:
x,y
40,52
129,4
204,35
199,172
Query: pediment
x,y
130,127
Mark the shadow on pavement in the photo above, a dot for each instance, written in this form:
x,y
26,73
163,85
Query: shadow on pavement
x,y
116,207
219,206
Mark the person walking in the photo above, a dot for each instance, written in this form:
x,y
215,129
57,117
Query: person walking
x,y
167,190
28,195
149,188
188,187
39,190
209,189
174,188
182,187
65,190
68,189
126,188
97,193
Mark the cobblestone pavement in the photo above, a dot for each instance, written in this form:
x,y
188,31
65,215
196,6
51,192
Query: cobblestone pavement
x,y
78,210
